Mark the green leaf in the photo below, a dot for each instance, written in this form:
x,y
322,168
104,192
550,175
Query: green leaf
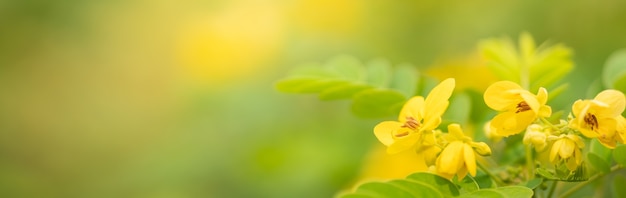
x,y
443,185
405,80
376,103
468,184
614,73
342,92
292,85
484,181
550,65
418,188
546,174
345,77
502,58
618,186
484,193
379,73
540,66
619,155
319,85
347,68
379,189
415,185
533,183
598,163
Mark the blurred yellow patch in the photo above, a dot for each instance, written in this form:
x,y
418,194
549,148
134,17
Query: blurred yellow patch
x,y
470,72
232,43
328,16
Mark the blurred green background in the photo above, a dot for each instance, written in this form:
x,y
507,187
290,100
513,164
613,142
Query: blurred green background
x,y
167,98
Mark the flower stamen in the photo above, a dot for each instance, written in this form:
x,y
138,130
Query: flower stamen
x,y
411,123
522,106
591,120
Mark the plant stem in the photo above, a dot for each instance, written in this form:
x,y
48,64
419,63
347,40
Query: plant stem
x,y
494,177
552,188
530,164
583,184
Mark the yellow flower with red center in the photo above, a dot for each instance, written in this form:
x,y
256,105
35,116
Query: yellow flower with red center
x,y
418,115
601,117
567,149
459,156
518,107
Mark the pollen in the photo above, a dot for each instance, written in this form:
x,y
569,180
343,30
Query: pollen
x,y
522,106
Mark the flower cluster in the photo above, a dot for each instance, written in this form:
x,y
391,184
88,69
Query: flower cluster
x,y
520,110
451,153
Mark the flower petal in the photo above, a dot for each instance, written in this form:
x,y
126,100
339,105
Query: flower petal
x,y
531,100
437,102
456,131
498,97
567,148
402,144
542,96
544,111
431,121
555,149
615,99
579,106
413,108
449,160
470,159
510,123
621,129
384,131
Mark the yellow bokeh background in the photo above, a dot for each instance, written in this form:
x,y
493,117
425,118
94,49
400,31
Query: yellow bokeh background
x,y
176,98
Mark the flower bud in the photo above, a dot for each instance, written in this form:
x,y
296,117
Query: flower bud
x,y
535,136
481,148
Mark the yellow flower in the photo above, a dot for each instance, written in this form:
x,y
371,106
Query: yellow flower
x,y
601,117
567,149
459,157
417,115
518,107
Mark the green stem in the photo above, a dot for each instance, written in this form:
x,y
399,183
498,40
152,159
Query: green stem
x,y
494,177
552,188
583,184
530,163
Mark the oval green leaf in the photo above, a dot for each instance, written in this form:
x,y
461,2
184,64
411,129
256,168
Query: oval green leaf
x,y
380,189
343,92
598,163
379,73
468,184
419,189
619,155
443,185
615,70
405,80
